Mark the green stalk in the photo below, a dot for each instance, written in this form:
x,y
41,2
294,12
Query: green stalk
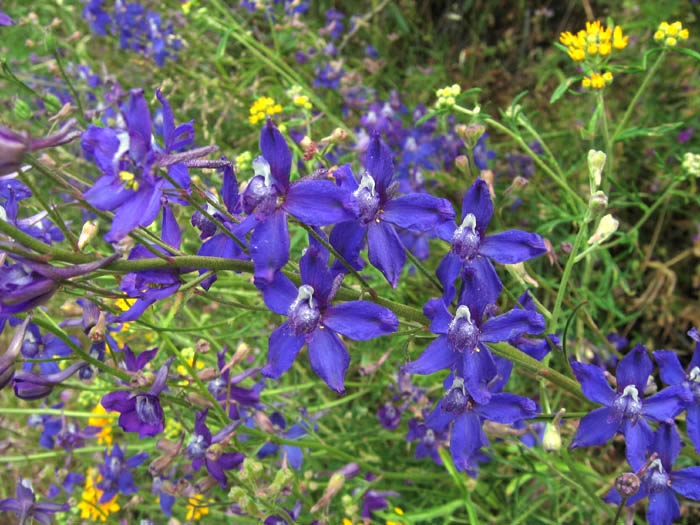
x,y
645,83
55,412
62,453
565,277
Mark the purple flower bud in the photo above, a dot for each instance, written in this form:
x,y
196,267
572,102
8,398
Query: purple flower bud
x,y
7,360
30,386
627,484
463,334
304,314
13,145
466,239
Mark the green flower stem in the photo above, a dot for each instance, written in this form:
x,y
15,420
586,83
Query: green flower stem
x,y
527,363
565,277
633,103
608,144
518,139
149,445
54,412
49,324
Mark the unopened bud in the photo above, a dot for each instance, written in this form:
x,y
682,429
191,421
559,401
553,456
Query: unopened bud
x,y
551,441
488,177
462,163
97,332
88,232
306,142
262,421
470,134
606,227
282,479
207,374
596,162
22,110
597,203
518,183
520,273
253,467
202,346
199,400
334,485
627,484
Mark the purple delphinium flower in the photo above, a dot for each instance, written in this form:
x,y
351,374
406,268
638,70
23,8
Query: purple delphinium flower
x,y
116,476
26,508
460,344
659,482
313,202
48,346
38,225
688,381
129,159
429,441
467,437
163,491
312,319
70,480
381,211
334,25
201,450
389,415
471,248
482,154
626,410
98,19
243,396
295,456
375,500
140,411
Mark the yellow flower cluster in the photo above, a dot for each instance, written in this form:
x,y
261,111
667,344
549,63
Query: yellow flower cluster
x,y
446,96
594,40
302,101
593,46
670,34
90,506
196,507
105,435
261,108
596,80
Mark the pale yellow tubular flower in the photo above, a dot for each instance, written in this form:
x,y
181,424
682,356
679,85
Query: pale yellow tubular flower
x,y
586,82
604,49
619,41
683,34
671,42
659,35
592,49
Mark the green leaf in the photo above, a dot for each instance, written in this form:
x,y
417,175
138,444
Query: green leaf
x,y
656,131
428,116
426,515
221,49
400,20
688,52
562,88
457,477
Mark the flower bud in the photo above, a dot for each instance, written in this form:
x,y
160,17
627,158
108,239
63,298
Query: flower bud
x,y
596,162
597,203
462,163
253,467
691,164
627,484
470,134
262,421
334,485
7,360
87,233
202,346
606,227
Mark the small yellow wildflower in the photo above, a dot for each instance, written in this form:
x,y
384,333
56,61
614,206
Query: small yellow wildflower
x,y
89,505
346,521
105,435
398,511
670,34
596,80
187,6
263,107
123,305
446,97
594,40
302,101
196,507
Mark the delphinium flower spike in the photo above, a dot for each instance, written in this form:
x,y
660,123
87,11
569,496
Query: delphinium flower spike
x,y
626,409
116,473
312,319
381,211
